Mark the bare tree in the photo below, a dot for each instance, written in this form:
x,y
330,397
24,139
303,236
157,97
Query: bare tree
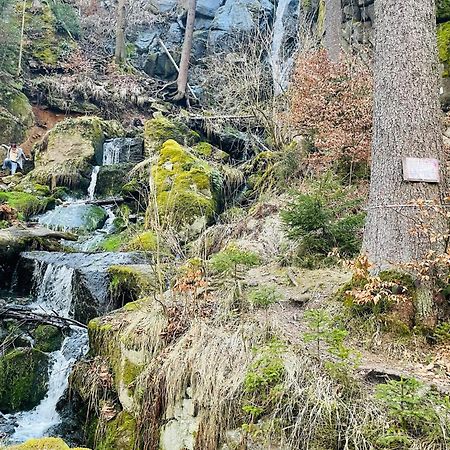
x,y
182,79
120,52
333,29
407,123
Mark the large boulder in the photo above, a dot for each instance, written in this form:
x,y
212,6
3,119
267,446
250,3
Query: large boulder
x,y
67,153
160,129
236,19
23,379
187,188
111,179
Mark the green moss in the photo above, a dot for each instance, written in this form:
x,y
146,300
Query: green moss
x,y
113,243
120,433
25,204
130,372
184,186
161,129
70,150
47,338
48,443
443,37
203,149
145,242
23,378
129,283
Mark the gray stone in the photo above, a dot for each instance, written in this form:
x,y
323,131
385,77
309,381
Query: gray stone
x,y
145,39
241,15
164,6
199,44
208,8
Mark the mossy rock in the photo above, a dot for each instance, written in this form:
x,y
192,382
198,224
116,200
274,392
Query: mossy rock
x,y
69,150
48,443
129,283
47,338
26,204
120,433
111,179
23,379
186,187
161,129
16,114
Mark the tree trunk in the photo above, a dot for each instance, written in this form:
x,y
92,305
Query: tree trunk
x,y
407,123
333,29
186,52
120,53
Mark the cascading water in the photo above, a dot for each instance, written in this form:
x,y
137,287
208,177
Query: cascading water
x,y
93,183
53,289
111,152
281,59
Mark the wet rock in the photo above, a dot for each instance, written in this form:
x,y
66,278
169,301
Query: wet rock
x,y
123,150
83,277
76,217
111,179
15,240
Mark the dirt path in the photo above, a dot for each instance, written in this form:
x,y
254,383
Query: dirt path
x,y
303,290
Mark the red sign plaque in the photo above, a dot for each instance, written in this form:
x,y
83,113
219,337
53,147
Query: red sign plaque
x,y
424,170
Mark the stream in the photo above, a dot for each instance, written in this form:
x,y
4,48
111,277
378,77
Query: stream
x,y
71,285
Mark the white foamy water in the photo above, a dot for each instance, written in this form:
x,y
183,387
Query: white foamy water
x,y
35,423
53,287
93,183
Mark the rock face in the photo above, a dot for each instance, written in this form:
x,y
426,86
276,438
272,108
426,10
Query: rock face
x,y
69,150
219,25
16,115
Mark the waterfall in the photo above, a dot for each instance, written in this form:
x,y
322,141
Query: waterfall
x,y
93,183
35,423
53,287
111,151
281,60
53,290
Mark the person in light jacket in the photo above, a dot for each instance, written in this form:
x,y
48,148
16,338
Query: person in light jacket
x,y
14,158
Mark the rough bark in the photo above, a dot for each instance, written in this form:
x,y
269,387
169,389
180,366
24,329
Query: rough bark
x,y
333,29
407,123
186,51
120,52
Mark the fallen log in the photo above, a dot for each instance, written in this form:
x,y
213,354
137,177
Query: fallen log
x,y
26,314
106,201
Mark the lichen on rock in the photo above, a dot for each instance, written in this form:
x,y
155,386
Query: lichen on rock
x,y
48,443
